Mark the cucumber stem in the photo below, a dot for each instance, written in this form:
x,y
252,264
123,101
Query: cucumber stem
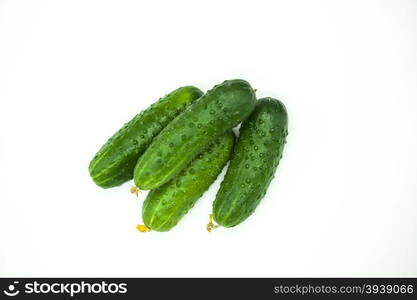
x,y
134,190
211,225
143,228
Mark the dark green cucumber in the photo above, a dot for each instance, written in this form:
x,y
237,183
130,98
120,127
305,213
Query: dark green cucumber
x,y
219,110
253,163
115,161
166,205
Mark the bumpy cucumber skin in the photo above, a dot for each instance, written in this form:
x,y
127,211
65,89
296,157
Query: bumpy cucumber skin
x,y
253,163
115,161
166,205
219,110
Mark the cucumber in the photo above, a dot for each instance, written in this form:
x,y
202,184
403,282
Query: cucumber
x,y
166,205
115,161
253,163
220,109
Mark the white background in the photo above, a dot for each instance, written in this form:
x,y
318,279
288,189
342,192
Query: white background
x,y
343,202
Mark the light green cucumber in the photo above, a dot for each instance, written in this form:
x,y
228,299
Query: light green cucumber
x,y
219,110
115,161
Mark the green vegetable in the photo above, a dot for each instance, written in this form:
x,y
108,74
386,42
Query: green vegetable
x,y
115,161
219,110
253,163
166,205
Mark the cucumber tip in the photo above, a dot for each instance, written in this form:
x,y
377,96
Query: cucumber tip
x,y
143,228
